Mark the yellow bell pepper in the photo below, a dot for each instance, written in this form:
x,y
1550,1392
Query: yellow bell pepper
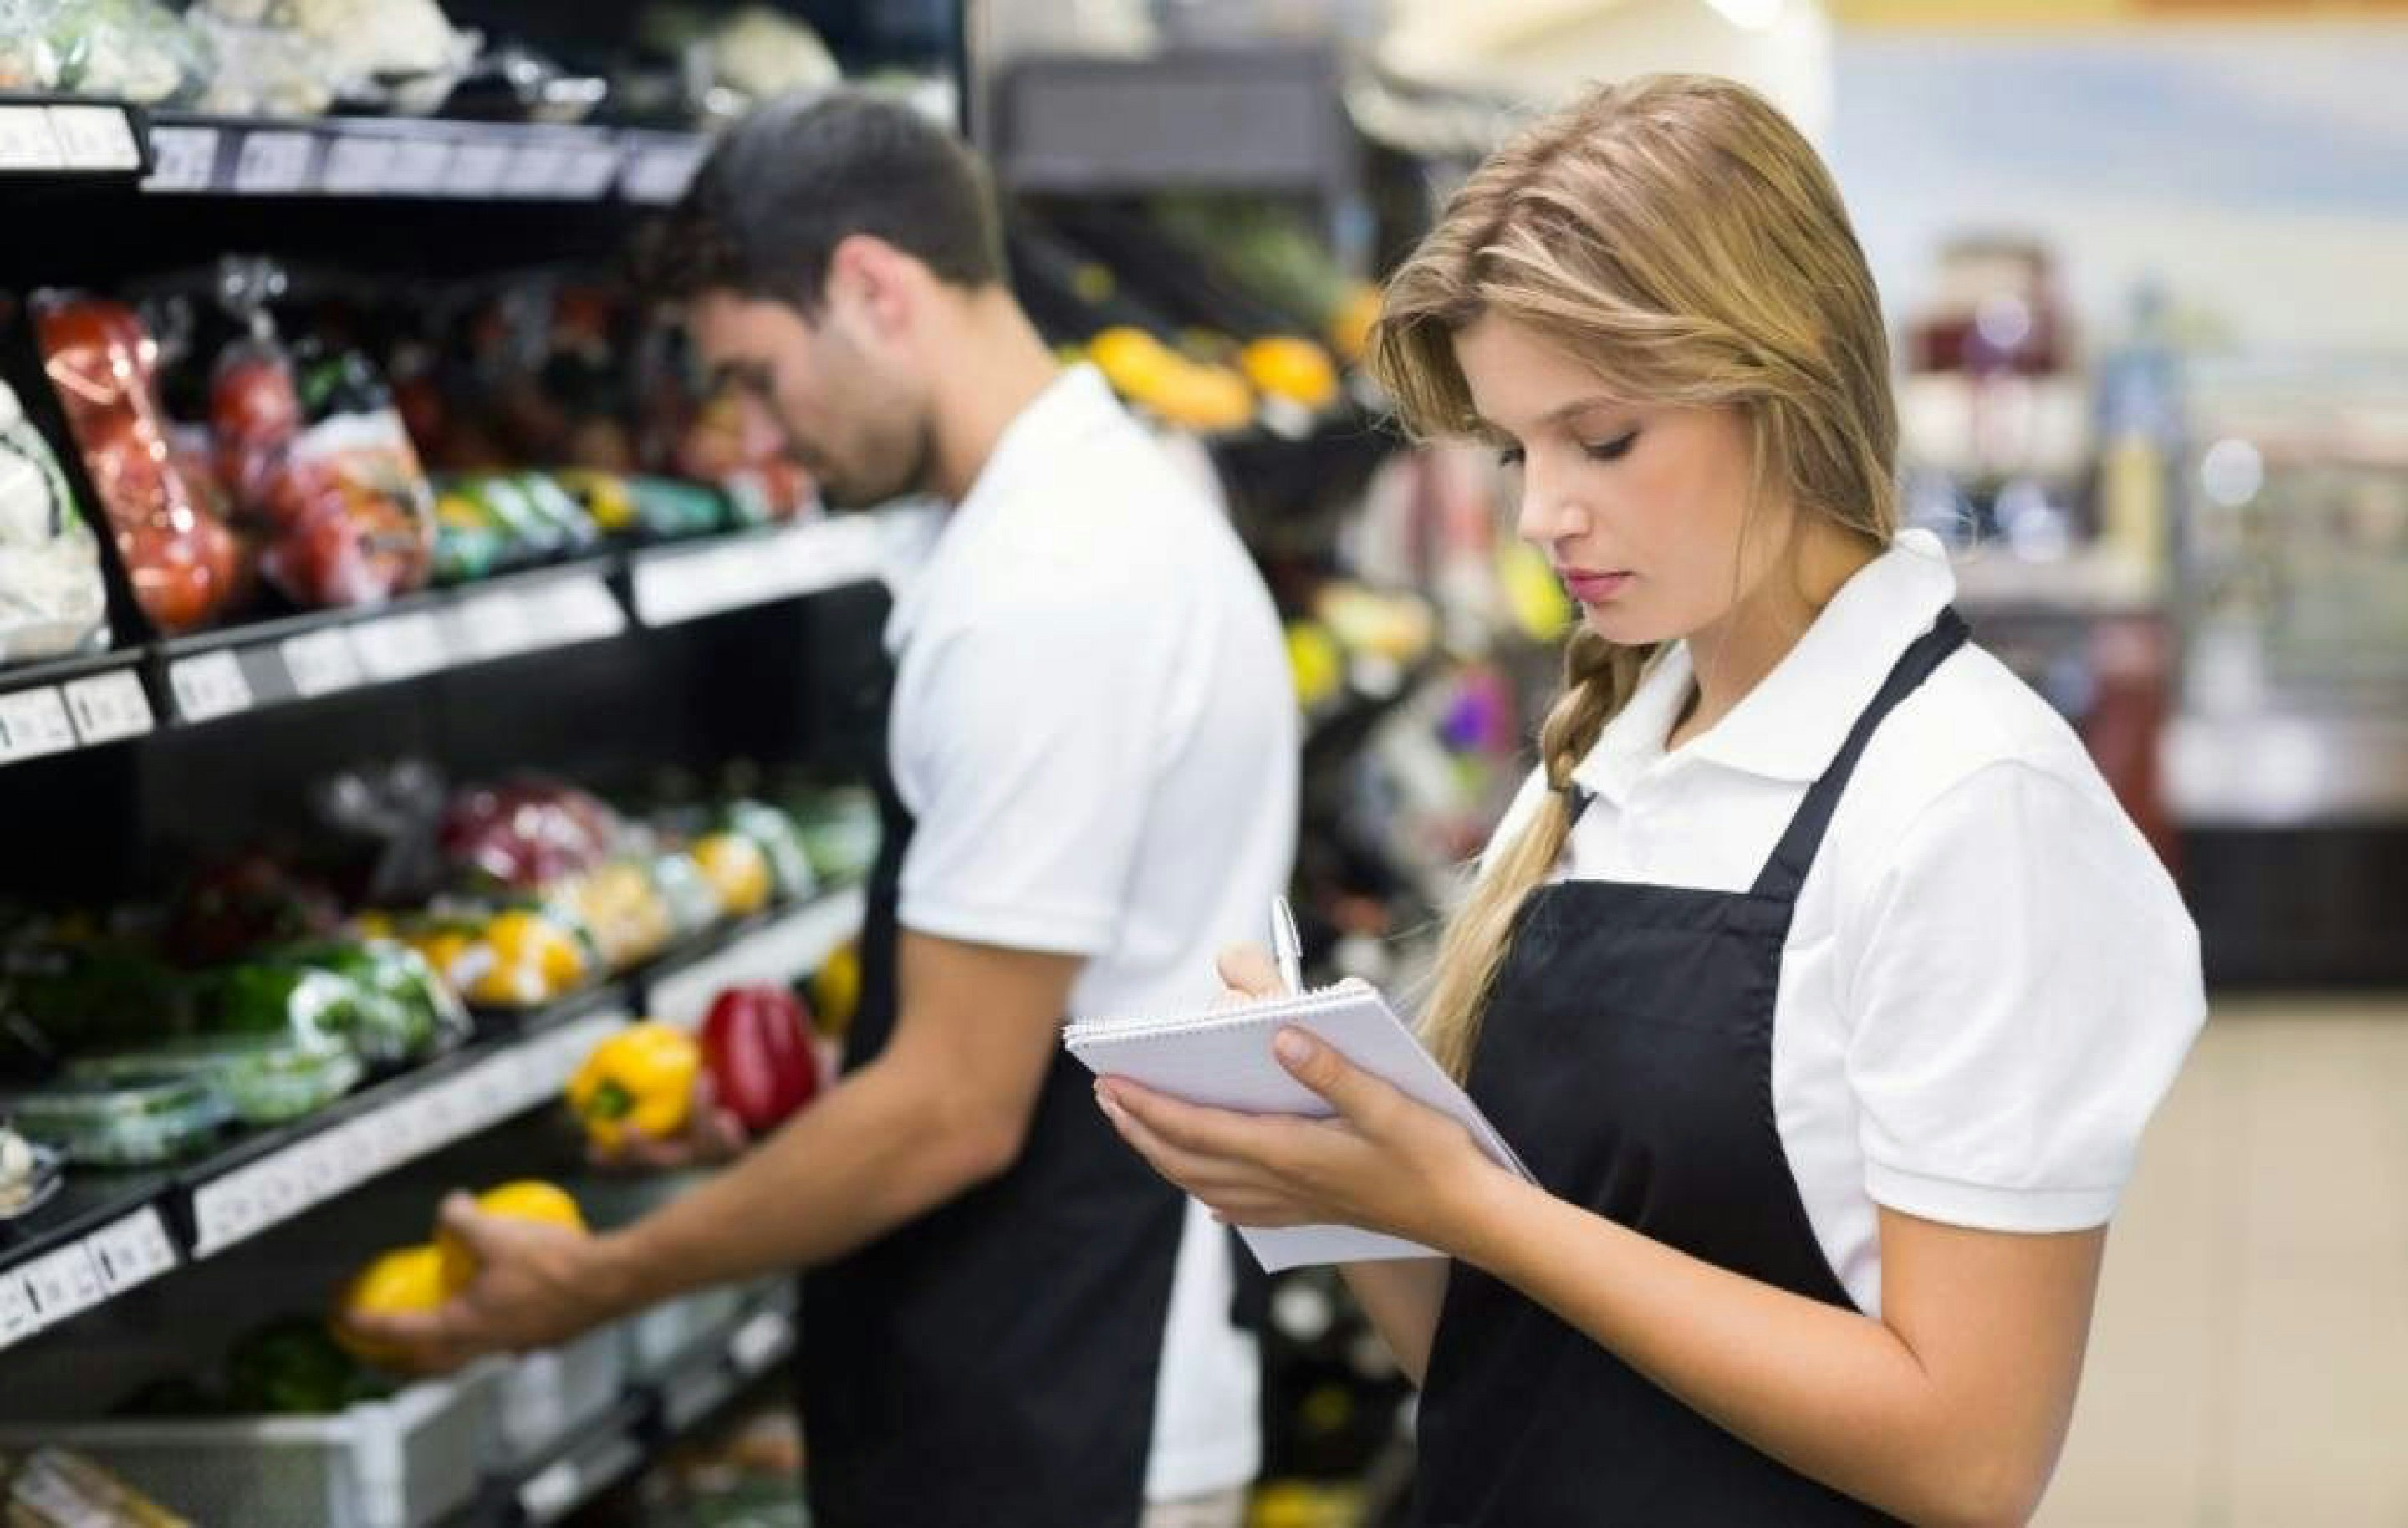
x,y
528,1199
737,870
642,1080
408,1279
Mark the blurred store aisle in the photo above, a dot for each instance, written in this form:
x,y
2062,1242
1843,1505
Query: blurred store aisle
x,y
2249,1363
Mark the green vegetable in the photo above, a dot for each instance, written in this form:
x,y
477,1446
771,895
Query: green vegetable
x,y
294,1368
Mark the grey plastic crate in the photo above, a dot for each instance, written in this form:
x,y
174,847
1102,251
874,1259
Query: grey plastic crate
x,y
403,1463
540,1398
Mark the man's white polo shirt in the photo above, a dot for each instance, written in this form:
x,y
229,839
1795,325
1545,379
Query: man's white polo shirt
x,y
1094,727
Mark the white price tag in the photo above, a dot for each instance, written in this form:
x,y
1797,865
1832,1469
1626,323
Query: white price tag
x,y
18,1317
133,1250
27,140
96,137
183,159
273,164
659,175
63,1283
359,165
209,686
538,171
321,663
108,707
399,647
495,625
686,586
477,169
576,611
224,1211
590,173
418,167
34,722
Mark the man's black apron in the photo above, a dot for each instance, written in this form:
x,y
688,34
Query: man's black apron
x,y
1626,1052
992,1364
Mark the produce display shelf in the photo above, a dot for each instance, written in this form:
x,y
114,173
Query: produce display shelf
x,y
1342,726
106,1232
604,1451
57,707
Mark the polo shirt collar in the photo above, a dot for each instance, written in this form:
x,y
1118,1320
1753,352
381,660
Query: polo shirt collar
x,y
1044,435
1790,726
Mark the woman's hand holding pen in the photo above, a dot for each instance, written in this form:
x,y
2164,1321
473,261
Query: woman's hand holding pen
x,y
1384,1162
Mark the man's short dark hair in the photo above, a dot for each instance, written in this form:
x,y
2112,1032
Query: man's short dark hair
x,y
785,186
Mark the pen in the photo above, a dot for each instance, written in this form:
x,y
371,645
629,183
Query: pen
x,y
1286,949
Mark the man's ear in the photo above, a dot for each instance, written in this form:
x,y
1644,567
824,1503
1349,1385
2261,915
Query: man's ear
x,y
881,283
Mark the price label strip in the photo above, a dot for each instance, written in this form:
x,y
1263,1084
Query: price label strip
x,y
65,1283
400,647
28,142
478,169
418,167
32,724
209,686
182,159
274,163
321,663
19,1320
108,707
359,165
133,1250
98,138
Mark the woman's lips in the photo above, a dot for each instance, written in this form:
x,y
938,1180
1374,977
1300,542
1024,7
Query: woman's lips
x,y
1592,588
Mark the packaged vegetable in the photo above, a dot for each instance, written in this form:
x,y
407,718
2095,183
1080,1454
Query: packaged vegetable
x,y
692,901
780,840
640,1079
756,1043
533,955
397,1009
128,1121
29,1175
263,1079
322,470
395,55
527,833
528,1199
53,601
185,565
738,871
130,50
629,921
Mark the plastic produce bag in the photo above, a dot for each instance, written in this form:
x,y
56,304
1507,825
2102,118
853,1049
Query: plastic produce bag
x,y
318,461
184,564
51,598
400,55
130,50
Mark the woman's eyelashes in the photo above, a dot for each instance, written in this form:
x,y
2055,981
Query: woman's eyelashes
x,y
1615,450
1612,450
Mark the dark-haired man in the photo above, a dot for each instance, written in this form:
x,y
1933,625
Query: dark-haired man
x,y
1007,1319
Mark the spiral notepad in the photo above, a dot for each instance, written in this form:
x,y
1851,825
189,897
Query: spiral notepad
x,y
1222,1057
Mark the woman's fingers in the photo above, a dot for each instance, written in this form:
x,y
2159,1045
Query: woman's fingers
x,y
1250,971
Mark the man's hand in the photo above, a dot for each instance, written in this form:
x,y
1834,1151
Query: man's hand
x,y
712,1135
537,1285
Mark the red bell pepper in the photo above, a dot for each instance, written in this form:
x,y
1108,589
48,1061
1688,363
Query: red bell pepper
x,y
758,1043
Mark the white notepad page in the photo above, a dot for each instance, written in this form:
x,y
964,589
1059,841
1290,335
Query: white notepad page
x,y
1222,1057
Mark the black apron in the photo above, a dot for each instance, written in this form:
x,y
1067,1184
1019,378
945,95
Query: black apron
x,y
992,1362
1626,1052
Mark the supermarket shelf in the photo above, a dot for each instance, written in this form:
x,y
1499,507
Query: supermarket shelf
x,y
1374,689
672,585
214,675
63,138
106,1232
415,159
605,1451
72,703
56,707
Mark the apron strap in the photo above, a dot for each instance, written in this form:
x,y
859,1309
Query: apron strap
x,y
1784,873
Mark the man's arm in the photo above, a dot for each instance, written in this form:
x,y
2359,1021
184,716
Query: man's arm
x,y
945,1106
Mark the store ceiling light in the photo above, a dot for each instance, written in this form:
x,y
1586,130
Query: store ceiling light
x,y
1749,15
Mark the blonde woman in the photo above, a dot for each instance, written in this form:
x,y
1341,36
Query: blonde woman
x,y
1815,973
